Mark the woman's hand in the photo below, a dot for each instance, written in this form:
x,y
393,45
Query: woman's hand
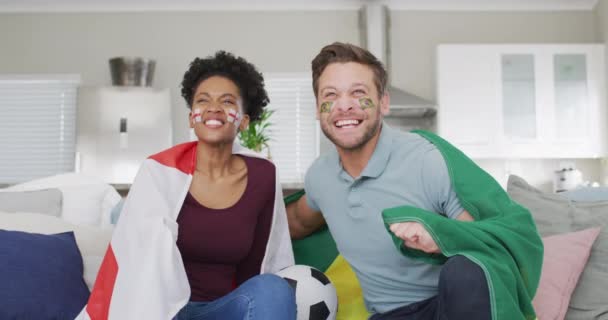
x,y
415,236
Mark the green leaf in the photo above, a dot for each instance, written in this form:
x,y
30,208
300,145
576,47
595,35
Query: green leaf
x,y
255,137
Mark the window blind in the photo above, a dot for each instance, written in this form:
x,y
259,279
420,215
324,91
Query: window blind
x,y
37,126
294,132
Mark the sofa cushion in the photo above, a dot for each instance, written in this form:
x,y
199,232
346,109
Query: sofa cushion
x,y
555,214
92,241
47,201
587,194
86,200
116,211
565,258
40,276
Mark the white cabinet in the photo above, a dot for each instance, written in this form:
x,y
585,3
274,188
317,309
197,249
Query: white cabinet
x,y
119,127
523,101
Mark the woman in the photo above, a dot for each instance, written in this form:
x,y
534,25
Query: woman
x,y
225,220
204,225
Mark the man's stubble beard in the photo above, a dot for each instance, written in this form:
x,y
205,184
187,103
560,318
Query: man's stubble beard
x,y
367,135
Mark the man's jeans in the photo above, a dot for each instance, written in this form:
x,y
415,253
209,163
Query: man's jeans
x,y
463,295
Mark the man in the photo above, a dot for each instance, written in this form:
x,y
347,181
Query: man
x,y
374,168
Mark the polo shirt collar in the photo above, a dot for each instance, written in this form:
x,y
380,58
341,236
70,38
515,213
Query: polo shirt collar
x,y
377,163
379,160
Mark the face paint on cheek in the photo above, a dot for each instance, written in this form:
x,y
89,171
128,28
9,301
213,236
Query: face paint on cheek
x,y
366,103
234,117
326,107
196,116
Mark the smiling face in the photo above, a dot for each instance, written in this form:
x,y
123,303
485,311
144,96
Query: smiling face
x,y
217,111
349,107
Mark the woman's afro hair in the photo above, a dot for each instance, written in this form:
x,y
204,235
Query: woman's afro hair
x,y
249,81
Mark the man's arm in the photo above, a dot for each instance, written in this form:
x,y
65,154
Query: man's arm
x,y
438,187
465,216
302,219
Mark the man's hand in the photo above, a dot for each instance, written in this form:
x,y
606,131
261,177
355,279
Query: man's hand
x,y
415,236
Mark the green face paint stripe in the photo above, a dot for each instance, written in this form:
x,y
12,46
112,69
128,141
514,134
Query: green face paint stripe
x,y
326,107
366,103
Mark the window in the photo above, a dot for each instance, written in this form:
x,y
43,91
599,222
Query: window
x,y
37,126
294,132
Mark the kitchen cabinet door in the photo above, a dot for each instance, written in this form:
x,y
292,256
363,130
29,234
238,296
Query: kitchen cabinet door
x,y
468,98
539,101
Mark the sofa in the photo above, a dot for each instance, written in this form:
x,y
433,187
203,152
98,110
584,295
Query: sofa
x,y
53,235
55,231
574,227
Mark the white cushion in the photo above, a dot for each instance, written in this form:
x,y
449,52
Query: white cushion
x,y
92,241
86,200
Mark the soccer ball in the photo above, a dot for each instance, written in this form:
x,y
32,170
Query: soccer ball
x,y
316,297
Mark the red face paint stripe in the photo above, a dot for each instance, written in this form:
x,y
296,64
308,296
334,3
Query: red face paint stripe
x,y
233,116
101,296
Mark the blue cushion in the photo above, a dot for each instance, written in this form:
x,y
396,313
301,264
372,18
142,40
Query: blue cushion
x,y
40,276
587,194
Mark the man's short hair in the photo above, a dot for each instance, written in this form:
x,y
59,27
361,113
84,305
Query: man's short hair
x,y
345,52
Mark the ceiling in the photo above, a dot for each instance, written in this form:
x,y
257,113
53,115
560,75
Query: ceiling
x,y
179,5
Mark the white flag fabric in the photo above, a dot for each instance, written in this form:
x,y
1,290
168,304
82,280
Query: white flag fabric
x,y
142,275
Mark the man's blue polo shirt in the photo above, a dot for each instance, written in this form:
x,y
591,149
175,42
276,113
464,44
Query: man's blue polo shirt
x,y
405,169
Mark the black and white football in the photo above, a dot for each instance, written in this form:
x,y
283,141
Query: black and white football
x,y
316,297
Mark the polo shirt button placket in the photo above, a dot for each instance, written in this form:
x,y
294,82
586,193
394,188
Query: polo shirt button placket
x,y
354,202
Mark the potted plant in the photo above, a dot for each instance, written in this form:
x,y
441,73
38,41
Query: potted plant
x,y
256,136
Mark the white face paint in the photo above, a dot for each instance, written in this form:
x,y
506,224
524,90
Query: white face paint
x,y
196,115
234,117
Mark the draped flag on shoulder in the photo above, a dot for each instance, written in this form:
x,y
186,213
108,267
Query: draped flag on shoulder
x,y
142,275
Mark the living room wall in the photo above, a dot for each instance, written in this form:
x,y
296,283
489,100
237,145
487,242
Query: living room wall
x,y
416,34
279,41
82,43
